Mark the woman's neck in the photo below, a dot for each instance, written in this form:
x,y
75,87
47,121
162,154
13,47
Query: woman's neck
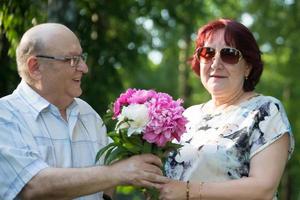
x,y
221,102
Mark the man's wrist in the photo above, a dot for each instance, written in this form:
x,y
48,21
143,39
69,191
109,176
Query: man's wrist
x,y
111,175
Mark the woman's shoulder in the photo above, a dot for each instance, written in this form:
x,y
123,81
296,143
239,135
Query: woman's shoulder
x,y
268,105
261,100
192,111
267,98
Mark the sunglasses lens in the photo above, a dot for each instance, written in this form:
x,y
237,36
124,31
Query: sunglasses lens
x,y
230,55
205,54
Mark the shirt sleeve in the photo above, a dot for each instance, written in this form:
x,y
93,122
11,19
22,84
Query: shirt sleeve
x,y
270,124
19,161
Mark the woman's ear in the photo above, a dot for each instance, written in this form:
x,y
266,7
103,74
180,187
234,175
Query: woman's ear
x,y
248,70
33,68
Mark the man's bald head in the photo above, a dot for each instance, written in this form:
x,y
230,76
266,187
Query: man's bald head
x,y
41,39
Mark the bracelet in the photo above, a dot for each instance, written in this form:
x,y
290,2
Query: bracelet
x,y
187,190
200,190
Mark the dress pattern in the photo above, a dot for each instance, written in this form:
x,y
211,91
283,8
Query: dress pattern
x,y
218,146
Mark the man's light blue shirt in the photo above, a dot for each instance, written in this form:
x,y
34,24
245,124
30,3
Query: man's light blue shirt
x,y
34,136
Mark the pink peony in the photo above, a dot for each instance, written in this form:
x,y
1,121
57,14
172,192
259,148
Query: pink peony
x,y
132,96
141,96
166,120
122,101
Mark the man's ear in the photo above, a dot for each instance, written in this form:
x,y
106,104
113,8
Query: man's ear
x,y
33,68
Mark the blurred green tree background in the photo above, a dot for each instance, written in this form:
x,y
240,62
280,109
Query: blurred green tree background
x,y
146,44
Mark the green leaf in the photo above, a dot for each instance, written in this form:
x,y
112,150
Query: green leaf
x,y
170,145
123,135
103,150
114,136
108,117
158,151
108,152
132,148
136,140
147,147
116,154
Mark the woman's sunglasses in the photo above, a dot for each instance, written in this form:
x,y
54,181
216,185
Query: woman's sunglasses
x,y
228,55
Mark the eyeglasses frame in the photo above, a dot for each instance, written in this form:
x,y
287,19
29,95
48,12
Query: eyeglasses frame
x,y
198,57
77,58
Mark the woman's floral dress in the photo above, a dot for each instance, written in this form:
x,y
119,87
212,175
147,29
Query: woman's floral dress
x,y
219,146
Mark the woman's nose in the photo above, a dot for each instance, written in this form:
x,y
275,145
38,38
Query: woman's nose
x,y
216,61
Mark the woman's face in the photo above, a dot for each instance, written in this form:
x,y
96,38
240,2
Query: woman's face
x,y
218,77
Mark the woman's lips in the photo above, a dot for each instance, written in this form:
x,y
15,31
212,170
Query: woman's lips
x,y
217,76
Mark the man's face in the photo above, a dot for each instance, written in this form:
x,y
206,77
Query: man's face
x,y
60,81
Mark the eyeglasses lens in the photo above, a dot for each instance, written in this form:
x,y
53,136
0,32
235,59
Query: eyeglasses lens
x,y
76,59
228,55
205,54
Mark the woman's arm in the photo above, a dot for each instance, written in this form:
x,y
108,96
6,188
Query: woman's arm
x,y
266,169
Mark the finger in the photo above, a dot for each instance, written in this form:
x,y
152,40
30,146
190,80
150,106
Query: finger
x,y
148,184
157,186
153,169
150,158
161,196
160,187
156,178
162,179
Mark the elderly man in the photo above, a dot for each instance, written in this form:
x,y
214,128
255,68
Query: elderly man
x,y
49,137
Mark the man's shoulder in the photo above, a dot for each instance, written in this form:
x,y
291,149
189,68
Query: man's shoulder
x,y
83,104
7,107
84,107
87,113
6,98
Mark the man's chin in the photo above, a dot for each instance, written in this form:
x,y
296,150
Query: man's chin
x,y
77,93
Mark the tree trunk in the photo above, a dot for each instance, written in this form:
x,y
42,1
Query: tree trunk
x,y
183,70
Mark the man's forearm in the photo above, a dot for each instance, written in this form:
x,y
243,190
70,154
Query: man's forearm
x,y
68,183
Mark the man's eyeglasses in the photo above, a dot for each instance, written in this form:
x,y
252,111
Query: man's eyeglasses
x,y
228,55
73,59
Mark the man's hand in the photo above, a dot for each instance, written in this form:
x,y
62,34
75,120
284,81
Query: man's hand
x,y
141,170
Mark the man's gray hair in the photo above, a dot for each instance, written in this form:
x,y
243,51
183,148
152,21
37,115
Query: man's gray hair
x,y
28,46
37,41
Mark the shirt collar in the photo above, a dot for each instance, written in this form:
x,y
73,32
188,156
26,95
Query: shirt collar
x,y
36,101
73,108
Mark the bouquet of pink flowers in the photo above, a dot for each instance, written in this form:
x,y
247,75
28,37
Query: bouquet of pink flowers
x,y
146,121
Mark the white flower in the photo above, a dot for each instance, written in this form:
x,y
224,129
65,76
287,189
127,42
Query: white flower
x,y
134,117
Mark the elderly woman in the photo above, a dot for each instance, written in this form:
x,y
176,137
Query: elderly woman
x,y
237,144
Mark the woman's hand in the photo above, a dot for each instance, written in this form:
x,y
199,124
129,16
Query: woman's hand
x,y
173,190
